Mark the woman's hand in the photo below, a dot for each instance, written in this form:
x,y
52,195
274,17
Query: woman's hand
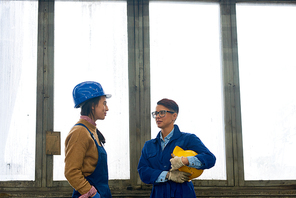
x,y
97,195
178,176
91,193
178,162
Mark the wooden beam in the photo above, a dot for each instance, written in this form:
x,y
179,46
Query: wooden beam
x,y
231,93
139,81
45,74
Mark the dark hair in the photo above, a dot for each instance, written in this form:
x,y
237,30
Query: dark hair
x,y
86,108
170,104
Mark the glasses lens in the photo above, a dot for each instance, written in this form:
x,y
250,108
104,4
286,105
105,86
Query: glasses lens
x,y
162,113
153,114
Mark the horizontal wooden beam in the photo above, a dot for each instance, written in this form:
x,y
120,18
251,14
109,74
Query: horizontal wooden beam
x,y
288,191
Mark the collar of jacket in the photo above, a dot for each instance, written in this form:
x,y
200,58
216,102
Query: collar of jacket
x,y
177,134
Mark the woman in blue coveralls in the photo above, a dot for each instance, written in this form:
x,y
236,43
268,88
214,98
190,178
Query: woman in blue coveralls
x,y
157,167
86,166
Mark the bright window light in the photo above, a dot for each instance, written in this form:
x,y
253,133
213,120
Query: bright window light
x,y
91,44
267,66
186,67
18,82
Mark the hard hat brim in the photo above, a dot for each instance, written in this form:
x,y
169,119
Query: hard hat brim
x,y
108,95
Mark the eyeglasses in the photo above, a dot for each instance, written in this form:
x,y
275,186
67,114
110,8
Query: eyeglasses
x,y
161,113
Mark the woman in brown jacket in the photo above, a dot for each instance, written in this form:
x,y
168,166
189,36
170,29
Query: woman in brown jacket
x,y
86,166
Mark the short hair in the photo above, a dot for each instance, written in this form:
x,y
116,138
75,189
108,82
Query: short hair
x,y
170,104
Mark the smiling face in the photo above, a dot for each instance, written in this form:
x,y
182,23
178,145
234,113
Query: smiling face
x,y
166,122
100,110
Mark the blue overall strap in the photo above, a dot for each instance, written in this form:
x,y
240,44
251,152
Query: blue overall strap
x,y
92,135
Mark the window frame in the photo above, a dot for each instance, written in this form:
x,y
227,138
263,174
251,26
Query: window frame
x,y
139,102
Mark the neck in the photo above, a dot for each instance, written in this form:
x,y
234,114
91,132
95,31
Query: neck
x,y
166,131
89,120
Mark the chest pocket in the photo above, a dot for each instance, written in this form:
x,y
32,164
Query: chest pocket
x,y
153,158
151,154
158,160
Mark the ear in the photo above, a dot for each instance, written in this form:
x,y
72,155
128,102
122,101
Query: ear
x,y
175,115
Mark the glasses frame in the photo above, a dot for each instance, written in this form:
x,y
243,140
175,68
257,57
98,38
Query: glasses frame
x,y
155,113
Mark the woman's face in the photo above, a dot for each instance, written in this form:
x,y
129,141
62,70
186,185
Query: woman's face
x,y
168,120
100,110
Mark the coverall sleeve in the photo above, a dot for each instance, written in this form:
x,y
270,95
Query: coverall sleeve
x,y
147,174
205,156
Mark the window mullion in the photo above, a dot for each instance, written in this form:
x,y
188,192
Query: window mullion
x,y
44,163
232,116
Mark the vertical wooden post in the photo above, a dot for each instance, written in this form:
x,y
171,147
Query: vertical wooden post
x,y
139,81
231,90
45,72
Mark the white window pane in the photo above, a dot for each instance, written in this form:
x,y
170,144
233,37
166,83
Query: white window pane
x,y
185,67
91,44
267,64
18,68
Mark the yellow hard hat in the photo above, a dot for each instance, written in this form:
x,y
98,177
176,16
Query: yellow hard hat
x,y
178,151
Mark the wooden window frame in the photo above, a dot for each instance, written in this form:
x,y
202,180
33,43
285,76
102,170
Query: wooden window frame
x,y
139,109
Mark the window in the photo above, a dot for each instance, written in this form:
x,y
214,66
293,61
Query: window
x,y
266,44
18,69
91,44
186,67
238,98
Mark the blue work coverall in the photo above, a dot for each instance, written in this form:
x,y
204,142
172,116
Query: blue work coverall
x,y
154,160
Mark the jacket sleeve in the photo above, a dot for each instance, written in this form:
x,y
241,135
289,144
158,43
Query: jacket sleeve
x,y
205,156
147,173
76,145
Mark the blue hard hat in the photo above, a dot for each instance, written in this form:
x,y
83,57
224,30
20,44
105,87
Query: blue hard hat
x,y
87,90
